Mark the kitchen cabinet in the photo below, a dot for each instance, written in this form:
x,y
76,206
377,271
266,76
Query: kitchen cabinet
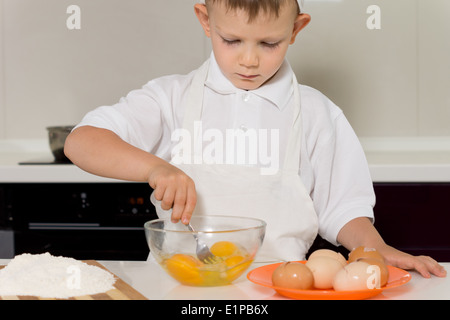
x,y
412,217
415,217
104,220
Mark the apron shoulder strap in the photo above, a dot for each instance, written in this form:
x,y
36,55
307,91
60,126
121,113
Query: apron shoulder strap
x,y
293,149
194,103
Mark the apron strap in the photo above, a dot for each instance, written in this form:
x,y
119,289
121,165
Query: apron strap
x,y
194,103
193,112
293,149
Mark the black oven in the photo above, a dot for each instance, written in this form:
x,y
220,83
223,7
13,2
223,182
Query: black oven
x,y
102,221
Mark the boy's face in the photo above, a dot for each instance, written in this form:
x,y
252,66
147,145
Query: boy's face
x,y
249,54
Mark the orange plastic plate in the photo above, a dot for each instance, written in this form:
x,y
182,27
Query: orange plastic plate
x,y
263,276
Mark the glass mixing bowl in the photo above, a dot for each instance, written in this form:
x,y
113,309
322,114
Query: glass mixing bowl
x,y
234,241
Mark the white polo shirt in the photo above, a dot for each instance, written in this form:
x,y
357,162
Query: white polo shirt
x,y
333,166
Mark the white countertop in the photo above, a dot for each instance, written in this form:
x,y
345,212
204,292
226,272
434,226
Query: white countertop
x,y
425,159
390,160
150,279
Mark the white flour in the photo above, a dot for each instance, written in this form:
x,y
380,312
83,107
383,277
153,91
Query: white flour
x,y
47,276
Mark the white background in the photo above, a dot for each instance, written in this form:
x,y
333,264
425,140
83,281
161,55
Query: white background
x,y
392,82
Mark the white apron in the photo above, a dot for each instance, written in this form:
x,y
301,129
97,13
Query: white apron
x,y
280,199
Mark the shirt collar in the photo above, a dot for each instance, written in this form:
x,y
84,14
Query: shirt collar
x,y
277,90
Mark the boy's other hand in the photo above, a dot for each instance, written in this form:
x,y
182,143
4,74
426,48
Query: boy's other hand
x,y
424,265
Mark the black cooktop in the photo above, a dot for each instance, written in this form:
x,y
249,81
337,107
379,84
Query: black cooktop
x,y
44,162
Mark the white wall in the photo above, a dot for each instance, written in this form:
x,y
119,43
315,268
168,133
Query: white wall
x,y
390,82
394,81
434,67
2,75
55,75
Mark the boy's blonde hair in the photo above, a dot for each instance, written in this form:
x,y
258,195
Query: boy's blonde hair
x,y
253,7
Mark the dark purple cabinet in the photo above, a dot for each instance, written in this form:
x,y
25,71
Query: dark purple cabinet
x,y
412,217
415,217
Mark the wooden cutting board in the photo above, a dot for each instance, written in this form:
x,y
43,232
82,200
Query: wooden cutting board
x,y
121,291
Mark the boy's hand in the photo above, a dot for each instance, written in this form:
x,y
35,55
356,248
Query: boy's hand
x,y
361,232
175,190
424,265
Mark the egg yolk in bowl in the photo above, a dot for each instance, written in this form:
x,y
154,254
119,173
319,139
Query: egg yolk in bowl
x,y
231,263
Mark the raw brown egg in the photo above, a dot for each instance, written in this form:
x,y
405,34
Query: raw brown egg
x,y
328,253
324,269
356,275
383,270
364,252
293,275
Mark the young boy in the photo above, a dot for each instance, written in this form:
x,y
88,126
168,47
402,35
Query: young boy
x,y
297,163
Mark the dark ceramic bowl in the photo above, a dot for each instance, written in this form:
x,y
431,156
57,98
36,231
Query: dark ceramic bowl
x,y
57,137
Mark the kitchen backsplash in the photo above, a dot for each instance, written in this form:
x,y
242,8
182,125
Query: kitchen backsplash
x,y
386,63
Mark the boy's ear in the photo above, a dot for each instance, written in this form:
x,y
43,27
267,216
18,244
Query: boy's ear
x,y
202,15
301,21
